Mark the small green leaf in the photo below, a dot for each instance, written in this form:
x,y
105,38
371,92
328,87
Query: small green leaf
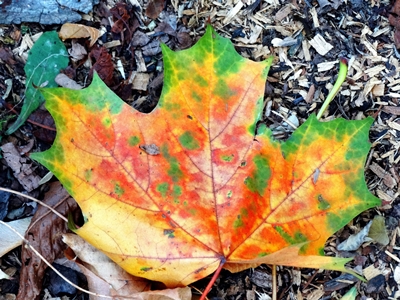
x,y
351,294
47,57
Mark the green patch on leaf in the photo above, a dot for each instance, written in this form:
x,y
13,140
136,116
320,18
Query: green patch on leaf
x,y
133,141
118,189
174,170
188,141
298,237
257,182
163,189
322,203
169,233
227,158
238,222
88,175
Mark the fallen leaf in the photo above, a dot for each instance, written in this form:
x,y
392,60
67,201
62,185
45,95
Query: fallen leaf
x,y
77,51
4,275
120,16
354,241
44,234
77,31
154,8
46,58
98,263
216,194
103,64
378,232
8,239
105,277
351,294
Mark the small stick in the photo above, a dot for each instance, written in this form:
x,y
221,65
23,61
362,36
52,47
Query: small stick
x,y
49,265
339,81
35,200
274,284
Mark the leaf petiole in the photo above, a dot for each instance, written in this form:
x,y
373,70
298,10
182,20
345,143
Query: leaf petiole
x,y
339,81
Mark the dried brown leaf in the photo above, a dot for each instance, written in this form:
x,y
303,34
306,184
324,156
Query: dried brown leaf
x,y
107,278
103,64
44,234
77,31
154,8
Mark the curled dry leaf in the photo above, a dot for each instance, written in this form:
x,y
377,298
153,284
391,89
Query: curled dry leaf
x,y
105,277
118,281
77,31
44,234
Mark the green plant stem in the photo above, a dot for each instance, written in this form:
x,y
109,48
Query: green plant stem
x,y
339,81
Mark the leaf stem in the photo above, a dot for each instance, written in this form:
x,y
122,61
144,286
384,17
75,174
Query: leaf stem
x,y
212,281
339,81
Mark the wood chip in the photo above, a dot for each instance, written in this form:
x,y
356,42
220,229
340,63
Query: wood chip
x,y
371,272
378,90
319,44
114,43
394,110
315,18
232,13
140,81
387,179
326,66
283,13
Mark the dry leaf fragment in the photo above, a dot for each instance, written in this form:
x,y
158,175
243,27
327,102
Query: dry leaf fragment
x,y
354,241
8,239
44,234
77,31
64,81
21,167
111,278
107,278
154,8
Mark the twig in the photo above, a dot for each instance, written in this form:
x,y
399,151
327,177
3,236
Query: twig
x,y
274,284
35,200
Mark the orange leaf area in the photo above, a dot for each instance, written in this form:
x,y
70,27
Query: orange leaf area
x,y
173,194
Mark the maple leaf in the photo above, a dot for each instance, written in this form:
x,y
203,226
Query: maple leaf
x,y
174,194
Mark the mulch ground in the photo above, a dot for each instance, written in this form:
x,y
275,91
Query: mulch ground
x,y
307,39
